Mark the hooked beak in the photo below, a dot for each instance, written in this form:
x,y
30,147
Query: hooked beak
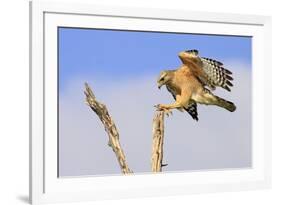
x,y
159,86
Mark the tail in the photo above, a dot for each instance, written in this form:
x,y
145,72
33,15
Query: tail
x,y
226,104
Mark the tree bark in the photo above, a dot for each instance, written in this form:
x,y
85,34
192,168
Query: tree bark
x,y
157,142
110,127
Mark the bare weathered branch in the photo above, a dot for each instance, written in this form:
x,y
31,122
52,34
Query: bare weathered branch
x,y
109,125
157,142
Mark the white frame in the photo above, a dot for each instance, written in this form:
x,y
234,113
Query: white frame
x,y
46,187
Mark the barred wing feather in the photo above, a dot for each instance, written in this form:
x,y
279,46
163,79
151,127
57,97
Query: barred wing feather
x,y
214,72
217,74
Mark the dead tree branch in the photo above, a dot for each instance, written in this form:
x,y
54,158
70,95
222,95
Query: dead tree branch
x,y
157,142
109,125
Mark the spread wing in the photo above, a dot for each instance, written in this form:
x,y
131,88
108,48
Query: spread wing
x,y
191,109
210,72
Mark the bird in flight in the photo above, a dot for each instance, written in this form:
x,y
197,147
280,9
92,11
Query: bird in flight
x,y
188,84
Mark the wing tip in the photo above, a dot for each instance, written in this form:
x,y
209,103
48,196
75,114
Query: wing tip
x,y
228,77
212,61
229,83
192,112
227,71
195,117
227,88
192,51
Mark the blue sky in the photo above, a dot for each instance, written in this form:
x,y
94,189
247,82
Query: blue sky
x,y
116,55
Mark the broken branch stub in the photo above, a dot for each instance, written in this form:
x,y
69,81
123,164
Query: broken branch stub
x,y
157,142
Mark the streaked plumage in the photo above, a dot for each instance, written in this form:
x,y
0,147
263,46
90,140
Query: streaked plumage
x,y
188,83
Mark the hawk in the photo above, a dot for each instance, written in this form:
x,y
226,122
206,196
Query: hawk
x,y
189,83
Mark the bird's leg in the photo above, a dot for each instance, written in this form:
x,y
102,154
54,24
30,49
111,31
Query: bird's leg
x,y
164,108
181,101
167,108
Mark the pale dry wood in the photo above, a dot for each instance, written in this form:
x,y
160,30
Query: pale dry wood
x,y
110,127
157,142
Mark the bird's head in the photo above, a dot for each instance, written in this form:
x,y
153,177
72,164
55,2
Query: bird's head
x,y
164,78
